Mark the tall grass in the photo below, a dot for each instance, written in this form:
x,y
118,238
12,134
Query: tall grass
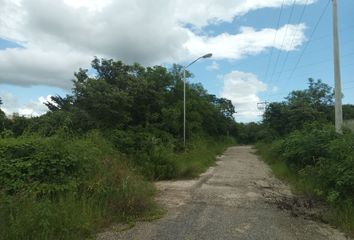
x,y
200,155
102,189
65,187
317,163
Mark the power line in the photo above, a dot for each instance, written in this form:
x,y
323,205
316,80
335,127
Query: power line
x,y
307,44
342,67
327,60
292,41
275,37
330,34
286,31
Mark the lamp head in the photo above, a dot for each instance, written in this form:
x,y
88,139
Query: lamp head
x,y
207,55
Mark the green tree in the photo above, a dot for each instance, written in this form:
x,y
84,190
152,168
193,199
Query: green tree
x,y
301,106
132,96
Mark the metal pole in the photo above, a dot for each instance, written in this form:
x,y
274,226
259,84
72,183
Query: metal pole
x,y
184,95
337,77
184,107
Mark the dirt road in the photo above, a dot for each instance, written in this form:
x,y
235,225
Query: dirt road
x,y
237,199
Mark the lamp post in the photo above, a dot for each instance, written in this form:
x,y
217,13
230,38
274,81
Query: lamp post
x,y
184,94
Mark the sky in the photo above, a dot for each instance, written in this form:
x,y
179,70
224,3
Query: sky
x,y
261,49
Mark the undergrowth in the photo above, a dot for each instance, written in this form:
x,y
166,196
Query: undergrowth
x,y
319,163
60,188
65,187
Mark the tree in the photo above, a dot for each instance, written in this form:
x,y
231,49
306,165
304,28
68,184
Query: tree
x,y
348,111
132,96
312,104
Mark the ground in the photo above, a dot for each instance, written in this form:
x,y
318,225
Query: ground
x,y
237,199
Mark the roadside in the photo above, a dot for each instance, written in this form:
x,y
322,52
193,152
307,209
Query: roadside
x,y
237,199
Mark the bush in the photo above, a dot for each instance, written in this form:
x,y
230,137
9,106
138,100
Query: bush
x,y
154,153
336,171
88,187
37,165
305,148
149,149
320,163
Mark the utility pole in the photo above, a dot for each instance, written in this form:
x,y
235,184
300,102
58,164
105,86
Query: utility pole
x,y
338,87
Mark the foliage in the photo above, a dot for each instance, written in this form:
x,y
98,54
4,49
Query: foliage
x,y
348,112
154,153
250,133
306,147
122,96
200,155
320,163
309,153
87,161
302,106
61,188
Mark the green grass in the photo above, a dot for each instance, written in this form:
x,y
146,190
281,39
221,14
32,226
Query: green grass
x,y
279,168
201,154
102,190
340,214
105,188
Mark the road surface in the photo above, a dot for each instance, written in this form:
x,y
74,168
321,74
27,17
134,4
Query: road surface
x,y
237,199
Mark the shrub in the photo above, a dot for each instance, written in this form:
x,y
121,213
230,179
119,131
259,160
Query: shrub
x,y
337,170
36,164
321,165
88,187
306,147
149,149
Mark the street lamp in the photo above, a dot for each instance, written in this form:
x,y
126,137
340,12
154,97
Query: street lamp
x,y
184,94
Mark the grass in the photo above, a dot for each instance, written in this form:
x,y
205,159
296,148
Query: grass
x,y
340,214
103,190
200,155
109,190
72,216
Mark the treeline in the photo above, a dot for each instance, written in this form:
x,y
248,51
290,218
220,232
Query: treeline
x,y
89,160
297,138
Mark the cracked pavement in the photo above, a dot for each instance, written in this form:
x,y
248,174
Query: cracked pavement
x,y
233,200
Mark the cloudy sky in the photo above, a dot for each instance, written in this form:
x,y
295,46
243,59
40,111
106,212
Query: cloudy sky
x,y
261,49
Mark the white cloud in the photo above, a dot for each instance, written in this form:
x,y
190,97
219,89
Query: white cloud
x,y
201,13
61,36
242,89
32,108
35,66
213,66
247,42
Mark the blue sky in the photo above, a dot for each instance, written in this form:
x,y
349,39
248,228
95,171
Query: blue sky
x,y
39,54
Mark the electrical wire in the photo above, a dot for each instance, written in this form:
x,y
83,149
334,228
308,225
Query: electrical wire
x,y
307,44
292,42
286,31
275,37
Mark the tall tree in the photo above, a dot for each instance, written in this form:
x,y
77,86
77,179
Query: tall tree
x,y
312,104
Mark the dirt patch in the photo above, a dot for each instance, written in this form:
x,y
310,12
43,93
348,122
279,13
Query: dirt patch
x,y
302,206
280,195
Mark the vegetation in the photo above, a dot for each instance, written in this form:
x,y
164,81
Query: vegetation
x,y
308,152
90,159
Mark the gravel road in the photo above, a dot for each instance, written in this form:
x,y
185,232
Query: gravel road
x,y
237,199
